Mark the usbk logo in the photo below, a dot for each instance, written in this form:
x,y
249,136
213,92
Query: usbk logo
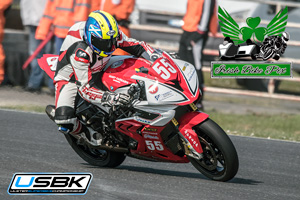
x,y
46,183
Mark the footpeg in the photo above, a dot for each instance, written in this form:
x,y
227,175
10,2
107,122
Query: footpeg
x,y
94,138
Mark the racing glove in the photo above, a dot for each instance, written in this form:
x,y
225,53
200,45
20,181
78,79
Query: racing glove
x,y
114,99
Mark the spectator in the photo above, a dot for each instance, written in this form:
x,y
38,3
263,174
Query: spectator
x,y
121,10
61,15
200,18
31,13
4,5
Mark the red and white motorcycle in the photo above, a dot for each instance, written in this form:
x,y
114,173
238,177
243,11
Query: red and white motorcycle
x,y
162,122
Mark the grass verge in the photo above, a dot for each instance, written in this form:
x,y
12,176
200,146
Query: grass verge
x,y
29,108
279,126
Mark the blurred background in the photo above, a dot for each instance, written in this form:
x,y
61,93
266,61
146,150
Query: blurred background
x,y
260,103
158,23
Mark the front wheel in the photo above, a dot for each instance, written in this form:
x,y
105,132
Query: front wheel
x,y
268,54
220,160
101,158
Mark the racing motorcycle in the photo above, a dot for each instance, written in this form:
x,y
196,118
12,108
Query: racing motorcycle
x,y
161,123
273,47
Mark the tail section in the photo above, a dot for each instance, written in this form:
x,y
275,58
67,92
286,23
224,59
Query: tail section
x,y
48,63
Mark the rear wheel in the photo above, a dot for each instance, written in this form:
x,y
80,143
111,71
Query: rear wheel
x,y
220,159
102,158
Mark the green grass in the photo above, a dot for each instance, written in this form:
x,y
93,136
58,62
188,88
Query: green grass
x,y
279,126
30,108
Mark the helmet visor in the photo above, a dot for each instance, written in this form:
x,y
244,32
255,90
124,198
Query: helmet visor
x,y
104,45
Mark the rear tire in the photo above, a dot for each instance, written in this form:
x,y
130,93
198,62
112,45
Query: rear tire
x,y
97,157
220,161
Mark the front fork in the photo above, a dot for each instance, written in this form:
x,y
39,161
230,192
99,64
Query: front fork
x,y
184,128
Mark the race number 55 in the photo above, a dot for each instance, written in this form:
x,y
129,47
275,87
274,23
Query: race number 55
x,y
152,145
164,69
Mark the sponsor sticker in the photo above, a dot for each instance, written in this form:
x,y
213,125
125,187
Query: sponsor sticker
x,y
150,136
164,96
143,120
193,106
117,79
153,89
175,122
111,33
49,183
150,129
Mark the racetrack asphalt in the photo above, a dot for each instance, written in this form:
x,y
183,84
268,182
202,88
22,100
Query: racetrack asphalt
x,y
30,142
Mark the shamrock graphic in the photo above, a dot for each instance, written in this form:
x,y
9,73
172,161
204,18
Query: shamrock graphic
x,y
238,35
247,32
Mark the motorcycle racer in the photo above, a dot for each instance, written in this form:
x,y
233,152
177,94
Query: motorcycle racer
x,y
274,46
85,52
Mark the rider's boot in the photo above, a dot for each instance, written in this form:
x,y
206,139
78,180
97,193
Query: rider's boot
x,y
94,138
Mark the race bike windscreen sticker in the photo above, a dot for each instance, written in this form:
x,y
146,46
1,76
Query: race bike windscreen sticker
x,y
252,51
49,184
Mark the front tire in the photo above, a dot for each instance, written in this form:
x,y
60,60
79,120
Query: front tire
x,y
268,54
97,157
220,160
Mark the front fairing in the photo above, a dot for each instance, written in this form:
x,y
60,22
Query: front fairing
x,y
166,80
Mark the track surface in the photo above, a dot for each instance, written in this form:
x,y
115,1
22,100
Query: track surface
x,y
30,143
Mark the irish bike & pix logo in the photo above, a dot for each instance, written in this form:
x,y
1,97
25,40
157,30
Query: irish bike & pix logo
x,y
252,51
49,184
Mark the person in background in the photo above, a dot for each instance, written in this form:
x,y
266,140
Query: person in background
x,y
31,13
4,5
200,18
61,15
121,10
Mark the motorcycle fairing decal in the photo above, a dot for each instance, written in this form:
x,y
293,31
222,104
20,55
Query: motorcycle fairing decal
x,y
117,77
189,74
130,71
165,92
193,91
48,63
190,77
165,95
150,145
163,116
187,122
164,69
